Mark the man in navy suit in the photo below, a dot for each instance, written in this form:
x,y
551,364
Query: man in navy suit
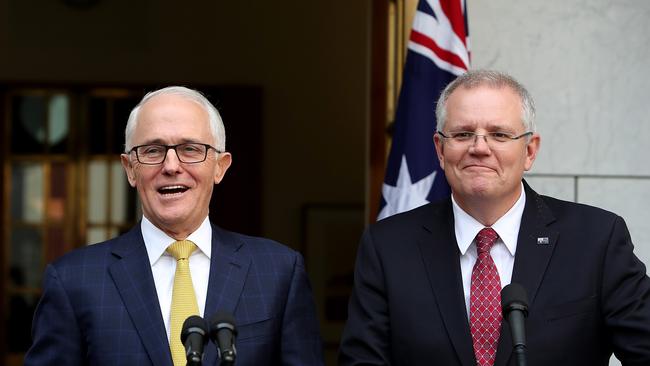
x,y
413,300
110,303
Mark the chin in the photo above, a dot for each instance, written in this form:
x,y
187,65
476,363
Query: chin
x,y
480,193
477,185
172,218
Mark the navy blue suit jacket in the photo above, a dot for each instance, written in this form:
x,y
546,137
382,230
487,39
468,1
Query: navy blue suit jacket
x,y
100,307
588,294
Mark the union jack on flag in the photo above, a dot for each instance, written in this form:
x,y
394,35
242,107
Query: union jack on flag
x,y
438,51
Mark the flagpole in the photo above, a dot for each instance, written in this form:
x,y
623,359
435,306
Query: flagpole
x,y
378,105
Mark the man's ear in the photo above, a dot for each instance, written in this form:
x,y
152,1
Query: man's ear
x,y
439,150
223,163
532,147
128,169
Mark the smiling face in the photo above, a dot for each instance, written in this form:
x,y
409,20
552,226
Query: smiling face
x,y
175,196
481,176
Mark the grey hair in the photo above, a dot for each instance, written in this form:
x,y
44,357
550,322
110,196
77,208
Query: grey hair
x,y
216,124
493,79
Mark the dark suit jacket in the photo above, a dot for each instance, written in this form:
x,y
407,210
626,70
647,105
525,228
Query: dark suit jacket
x,y
100,307
588,294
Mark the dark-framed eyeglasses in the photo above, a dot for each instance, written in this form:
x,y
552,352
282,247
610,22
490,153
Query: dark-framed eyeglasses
x,y
493,139
188,152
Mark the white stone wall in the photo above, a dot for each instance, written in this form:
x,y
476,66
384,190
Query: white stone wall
x,y
587,64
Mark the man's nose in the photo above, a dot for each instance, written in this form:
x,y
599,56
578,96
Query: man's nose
x,y
171,162
480,143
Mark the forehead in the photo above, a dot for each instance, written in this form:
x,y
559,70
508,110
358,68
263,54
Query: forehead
x,y
484,106
171,119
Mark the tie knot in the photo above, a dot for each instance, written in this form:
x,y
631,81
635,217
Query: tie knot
x,y
485,239
181,249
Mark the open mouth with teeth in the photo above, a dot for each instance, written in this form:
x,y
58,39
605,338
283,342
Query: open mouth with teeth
x,y
169,190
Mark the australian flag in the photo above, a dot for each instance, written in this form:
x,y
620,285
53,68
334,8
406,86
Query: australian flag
x,y
438,51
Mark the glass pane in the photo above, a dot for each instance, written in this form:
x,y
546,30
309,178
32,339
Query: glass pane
x,y
95,235
121,110
58,193
56,244
58,122
120,196
27,192
97,130
113,232
26,253
97,191
28,125
19,319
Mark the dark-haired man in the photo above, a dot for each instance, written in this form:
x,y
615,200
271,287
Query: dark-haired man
x,y
427,282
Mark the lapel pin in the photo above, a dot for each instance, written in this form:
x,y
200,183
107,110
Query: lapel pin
x,y
543,240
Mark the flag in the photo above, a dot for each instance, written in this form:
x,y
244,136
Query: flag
x,y
438,51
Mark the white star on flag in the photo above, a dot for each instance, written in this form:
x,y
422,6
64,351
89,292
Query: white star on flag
x,y
405,195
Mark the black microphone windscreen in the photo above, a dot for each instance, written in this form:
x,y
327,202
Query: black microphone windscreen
x,y
223,318
512,294
193,324
223,333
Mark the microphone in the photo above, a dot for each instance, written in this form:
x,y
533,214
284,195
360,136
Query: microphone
x,y
194,338
223,333
514,304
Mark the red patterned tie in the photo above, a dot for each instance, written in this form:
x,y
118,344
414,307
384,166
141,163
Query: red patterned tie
x,y
485,301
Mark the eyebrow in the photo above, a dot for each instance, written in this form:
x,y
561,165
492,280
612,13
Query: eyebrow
x,y
491,127
159,141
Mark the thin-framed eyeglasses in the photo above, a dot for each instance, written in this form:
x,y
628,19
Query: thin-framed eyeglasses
x,y
493,139
188,152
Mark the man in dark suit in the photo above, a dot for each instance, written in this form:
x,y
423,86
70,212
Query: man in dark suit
x,y
113,303
422,293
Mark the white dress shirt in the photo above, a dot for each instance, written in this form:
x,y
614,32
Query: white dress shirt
x,y
163,264
502,252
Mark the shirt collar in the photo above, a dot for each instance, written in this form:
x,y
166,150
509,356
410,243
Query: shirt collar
x,y
156,241
507,226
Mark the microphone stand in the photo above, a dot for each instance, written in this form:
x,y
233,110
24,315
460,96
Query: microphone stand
x,y
227,358
516,319
520,354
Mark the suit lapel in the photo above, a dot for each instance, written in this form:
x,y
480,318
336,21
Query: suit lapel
x,y
131,273
535,245
229,267
439,250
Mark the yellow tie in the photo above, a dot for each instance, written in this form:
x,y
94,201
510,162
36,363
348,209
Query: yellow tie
x,y
183,298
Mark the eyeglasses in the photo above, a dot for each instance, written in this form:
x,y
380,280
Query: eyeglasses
x,y
493,139
188,153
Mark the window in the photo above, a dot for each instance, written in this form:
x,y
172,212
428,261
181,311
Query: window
x,y
64,187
